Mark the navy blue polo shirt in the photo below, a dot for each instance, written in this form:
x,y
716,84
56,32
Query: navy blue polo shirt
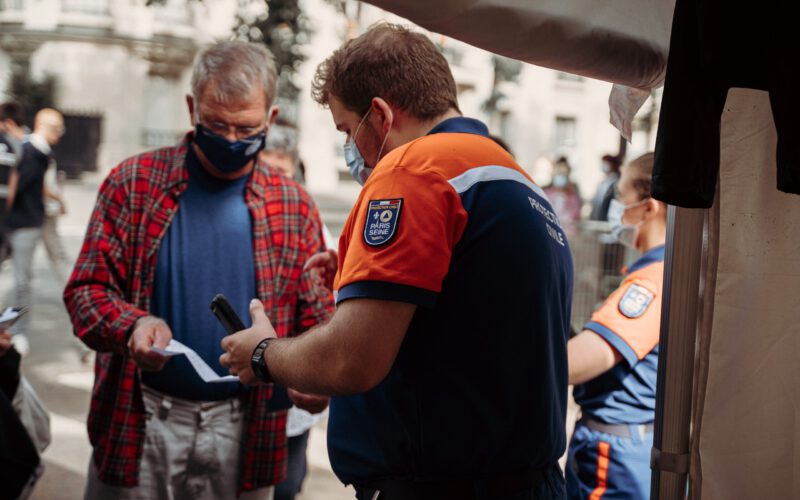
x,y
451,223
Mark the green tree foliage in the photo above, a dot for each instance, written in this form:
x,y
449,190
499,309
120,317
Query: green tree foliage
x,y
32,94
505,70
284,30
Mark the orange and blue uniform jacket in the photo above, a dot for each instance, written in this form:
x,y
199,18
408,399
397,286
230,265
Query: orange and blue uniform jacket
x,y
449,222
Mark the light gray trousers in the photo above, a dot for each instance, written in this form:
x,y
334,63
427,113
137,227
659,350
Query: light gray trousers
x,y
191,451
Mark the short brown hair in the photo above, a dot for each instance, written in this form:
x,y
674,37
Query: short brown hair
x,y
641,174
392,62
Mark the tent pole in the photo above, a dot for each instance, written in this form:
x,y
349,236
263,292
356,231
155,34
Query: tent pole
x,y
679,316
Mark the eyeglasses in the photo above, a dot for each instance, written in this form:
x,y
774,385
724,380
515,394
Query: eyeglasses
x,y
223,129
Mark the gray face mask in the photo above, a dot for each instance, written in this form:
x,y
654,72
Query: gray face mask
x,y
352,156
624,233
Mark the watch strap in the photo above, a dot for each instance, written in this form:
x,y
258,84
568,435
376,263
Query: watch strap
x,y
259,364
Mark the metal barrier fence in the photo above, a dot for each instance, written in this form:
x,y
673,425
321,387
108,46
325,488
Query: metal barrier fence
x,y
598,262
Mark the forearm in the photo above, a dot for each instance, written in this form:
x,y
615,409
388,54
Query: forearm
x,y
351,354
589,356
581,368
13,182
315,363
53,195
101,319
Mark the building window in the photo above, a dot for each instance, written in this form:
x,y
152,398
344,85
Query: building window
x,y
566,132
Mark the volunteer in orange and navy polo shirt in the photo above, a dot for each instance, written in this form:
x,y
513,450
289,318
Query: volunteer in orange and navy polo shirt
x,y
613,361
447,352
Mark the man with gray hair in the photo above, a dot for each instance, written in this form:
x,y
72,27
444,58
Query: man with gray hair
x,y
281,152
171,229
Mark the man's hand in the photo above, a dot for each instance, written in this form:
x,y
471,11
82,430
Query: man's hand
x,y
239,347
323,267
309,402
5,342
148,332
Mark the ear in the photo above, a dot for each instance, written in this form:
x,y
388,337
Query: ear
x,y
190,105
382,110
655,208
272,115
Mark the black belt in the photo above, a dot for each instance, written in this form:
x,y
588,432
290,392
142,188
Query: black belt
x,y
620,430
497,487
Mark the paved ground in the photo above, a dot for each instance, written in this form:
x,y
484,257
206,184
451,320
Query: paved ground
x,y
63,380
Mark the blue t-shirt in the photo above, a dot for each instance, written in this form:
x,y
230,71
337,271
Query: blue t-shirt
x,y
451,223
208,249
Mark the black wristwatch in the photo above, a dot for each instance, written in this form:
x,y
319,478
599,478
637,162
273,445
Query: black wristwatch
x,y
259,364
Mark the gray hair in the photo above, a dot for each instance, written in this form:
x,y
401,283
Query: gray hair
x,y
236,68
282,139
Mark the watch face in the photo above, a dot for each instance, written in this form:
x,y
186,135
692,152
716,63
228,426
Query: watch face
x,y
257,353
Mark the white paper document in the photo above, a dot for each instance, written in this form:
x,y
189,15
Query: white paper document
x,y
175,348
9,316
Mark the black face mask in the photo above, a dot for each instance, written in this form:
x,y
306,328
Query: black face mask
x,y
227,156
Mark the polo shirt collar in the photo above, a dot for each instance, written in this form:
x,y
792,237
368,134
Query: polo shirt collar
x,y
650,257
461,125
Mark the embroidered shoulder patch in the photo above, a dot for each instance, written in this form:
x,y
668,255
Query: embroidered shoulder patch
x,y
635,301
382,219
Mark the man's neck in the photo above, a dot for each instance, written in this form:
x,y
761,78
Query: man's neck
x,y
655,237
40,143
415,129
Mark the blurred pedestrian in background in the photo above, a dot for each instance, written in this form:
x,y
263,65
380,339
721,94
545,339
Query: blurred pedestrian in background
x,y
564,196
12,133
27,215
612,253
54,207
607,188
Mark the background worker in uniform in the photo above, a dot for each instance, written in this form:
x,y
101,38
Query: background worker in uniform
x,y
614,360
447,350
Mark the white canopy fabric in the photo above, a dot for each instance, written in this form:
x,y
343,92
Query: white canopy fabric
x,y
625,42
620,41
746,419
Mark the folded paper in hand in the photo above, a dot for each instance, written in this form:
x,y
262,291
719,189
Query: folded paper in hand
x,y
175,348
10,316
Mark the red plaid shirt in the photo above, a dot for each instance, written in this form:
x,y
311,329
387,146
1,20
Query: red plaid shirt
x,y
111,286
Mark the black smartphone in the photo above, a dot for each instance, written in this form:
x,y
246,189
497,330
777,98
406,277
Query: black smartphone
x,y
279,400
226,315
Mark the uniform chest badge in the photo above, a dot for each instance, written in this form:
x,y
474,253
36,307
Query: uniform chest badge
x,y
382,219
635,301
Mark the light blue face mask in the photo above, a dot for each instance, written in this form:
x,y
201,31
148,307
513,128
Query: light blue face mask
x,y
355,162
624,233
352,156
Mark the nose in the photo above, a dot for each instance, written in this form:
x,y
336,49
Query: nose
x,y
230,135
